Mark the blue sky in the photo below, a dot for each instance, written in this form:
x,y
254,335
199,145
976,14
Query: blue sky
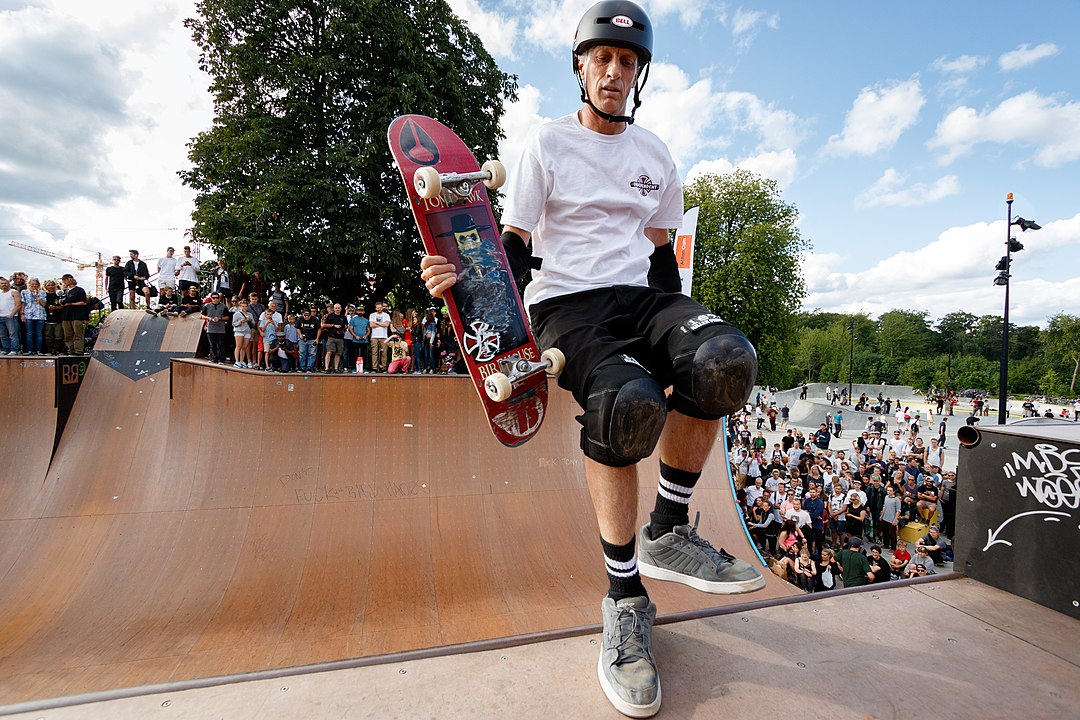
x,y
896,129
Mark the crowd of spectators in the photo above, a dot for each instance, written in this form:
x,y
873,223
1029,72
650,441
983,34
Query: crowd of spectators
x,y
269,334
43,318
812,503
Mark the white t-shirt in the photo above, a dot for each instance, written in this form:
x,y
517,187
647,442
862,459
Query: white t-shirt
x,y
166,267
801,517
587,199
379,332
7,303
188,273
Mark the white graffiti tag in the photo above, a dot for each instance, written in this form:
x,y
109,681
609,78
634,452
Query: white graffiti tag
x,y
1054,479
1048,475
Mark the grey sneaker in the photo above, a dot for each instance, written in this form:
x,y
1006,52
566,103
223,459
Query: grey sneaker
x,y
684,556
626,668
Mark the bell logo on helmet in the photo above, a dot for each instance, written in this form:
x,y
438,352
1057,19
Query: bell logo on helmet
x,y
622,21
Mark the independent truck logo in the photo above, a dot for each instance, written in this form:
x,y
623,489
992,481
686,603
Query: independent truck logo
x,y
644,185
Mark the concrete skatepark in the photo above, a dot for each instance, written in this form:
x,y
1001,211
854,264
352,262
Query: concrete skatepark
x,y
209,542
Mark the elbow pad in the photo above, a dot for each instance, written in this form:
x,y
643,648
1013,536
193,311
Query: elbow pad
x,y
519,255
664,269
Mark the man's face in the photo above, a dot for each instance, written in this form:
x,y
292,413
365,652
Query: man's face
x,y
337,308
608,74
187,252
875,553
134,255
215,298
169,252
116,260
307,314
193,291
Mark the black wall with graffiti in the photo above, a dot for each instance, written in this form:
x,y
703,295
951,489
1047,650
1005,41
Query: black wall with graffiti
x,y
1018,511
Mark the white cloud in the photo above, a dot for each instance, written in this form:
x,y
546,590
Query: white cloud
x,y
693,119
955,272
679,111
497,32
960,65
1025,55
518,121
877,119
719,166
161,101
781,166
888,190
1027,119
551,25
746,24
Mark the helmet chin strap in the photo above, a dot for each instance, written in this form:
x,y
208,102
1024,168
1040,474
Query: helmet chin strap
x,y
628,119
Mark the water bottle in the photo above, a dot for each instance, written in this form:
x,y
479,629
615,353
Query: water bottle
x,y
359,366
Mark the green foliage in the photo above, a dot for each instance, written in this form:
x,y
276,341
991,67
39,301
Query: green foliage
x,y
295,177
903,334
1063,346
746,265
1050,384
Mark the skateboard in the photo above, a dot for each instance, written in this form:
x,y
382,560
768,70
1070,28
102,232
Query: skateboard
x,y
447,192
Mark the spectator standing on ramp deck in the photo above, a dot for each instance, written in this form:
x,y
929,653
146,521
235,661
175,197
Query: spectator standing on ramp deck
x,y
606,292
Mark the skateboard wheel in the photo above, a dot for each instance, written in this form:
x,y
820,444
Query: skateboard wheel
x,y
496,174
427,182
555,360
498,387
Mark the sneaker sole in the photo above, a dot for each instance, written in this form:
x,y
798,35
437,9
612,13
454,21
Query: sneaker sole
x,y
717,588
628,709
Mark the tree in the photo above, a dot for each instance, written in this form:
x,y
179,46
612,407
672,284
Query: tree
x,y
954,333
1063,343
295,176
746,264
903,334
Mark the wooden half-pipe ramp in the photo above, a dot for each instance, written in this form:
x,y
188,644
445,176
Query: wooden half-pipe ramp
x,y
212,521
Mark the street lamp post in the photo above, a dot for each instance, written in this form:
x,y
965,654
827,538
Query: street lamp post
x,y
851,364
1004,268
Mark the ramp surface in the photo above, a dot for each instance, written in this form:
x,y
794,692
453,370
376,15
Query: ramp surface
x,y
258,521
1009,658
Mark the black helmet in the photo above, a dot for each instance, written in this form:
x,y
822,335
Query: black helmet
x,y
615,22
619,23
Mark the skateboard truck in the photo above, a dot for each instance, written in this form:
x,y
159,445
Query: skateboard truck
x,y
515,370
456,188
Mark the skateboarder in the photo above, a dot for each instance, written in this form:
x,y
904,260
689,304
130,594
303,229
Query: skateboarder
x,y
606,292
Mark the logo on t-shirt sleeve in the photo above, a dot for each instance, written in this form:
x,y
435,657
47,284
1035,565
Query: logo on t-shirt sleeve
x,y
644,185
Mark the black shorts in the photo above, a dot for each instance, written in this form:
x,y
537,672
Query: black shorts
x,y
592,326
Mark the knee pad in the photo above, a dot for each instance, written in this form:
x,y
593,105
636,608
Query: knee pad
x,y
714,365
624,413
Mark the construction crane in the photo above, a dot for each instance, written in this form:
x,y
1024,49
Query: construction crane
x,y
98,265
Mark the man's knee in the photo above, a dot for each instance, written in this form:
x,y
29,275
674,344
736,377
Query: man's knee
x,y
715,367
624,415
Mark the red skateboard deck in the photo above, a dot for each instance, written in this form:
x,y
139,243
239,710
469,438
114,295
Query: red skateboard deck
x,y
453,213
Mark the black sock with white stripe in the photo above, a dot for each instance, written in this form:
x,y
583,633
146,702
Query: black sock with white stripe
x,y
672,500
622,571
